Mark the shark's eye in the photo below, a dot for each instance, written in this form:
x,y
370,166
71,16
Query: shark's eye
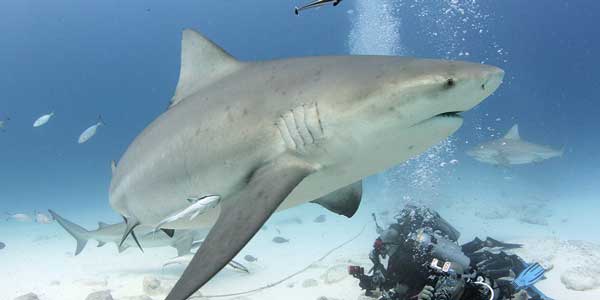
x,y
450,83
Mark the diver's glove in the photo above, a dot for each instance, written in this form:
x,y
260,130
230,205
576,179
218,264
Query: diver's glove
x,y
528,277
426,293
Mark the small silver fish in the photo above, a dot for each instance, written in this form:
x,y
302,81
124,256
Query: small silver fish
x,y
3,124
43,120
250,258
280,240
42,218
320,219
19,217
90,131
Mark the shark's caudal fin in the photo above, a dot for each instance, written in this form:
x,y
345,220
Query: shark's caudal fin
x,y
202,63
80,234
513,133
241,217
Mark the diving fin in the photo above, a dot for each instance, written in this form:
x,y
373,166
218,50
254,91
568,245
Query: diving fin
x,y
529,276
131,224
241,217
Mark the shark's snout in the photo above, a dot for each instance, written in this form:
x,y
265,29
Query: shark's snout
x,y
492,79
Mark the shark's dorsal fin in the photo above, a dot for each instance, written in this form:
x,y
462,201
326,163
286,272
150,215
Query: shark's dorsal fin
x,y
513,133
113,166
102,224
202,63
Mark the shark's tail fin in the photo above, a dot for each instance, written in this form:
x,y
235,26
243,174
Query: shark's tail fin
x,y
79,233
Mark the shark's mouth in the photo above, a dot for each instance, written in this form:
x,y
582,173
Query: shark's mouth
x,y
446,115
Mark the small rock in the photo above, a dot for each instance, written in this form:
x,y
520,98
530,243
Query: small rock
x,y
335,274
309,283
101,295
54,282
250,258
30,296
580,279
152,286
280,240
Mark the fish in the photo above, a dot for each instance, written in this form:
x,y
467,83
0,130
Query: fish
x,y
280,240
250,258
19,217
316,3
42,218
320,219
90,131
181,240
3,123
197,206
512,150
2,245
270,135
43,119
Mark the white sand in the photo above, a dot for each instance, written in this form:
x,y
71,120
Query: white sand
x,y
37,266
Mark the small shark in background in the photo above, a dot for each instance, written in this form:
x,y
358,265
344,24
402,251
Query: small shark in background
x,y
512,150
182,240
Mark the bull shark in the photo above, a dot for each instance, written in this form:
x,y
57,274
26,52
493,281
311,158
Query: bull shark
x,y
270,135
182,240
512,150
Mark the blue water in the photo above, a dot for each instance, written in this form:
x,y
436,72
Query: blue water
x,y
120,60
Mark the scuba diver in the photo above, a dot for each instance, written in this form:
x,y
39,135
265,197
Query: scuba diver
x,y
316,3
425,262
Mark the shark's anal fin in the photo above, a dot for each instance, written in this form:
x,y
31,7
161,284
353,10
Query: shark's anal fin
x,y
241,217
169,232
344,201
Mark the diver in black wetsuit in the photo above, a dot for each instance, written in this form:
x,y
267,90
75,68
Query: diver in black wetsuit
x,y
427,263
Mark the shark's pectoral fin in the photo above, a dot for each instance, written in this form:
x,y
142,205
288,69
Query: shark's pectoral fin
x,y
100,243
184,245
169,232
241,217
131,225
344,201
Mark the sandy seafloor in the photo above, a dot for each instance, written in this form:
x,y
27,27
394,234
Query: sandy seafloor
x,y
556,231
